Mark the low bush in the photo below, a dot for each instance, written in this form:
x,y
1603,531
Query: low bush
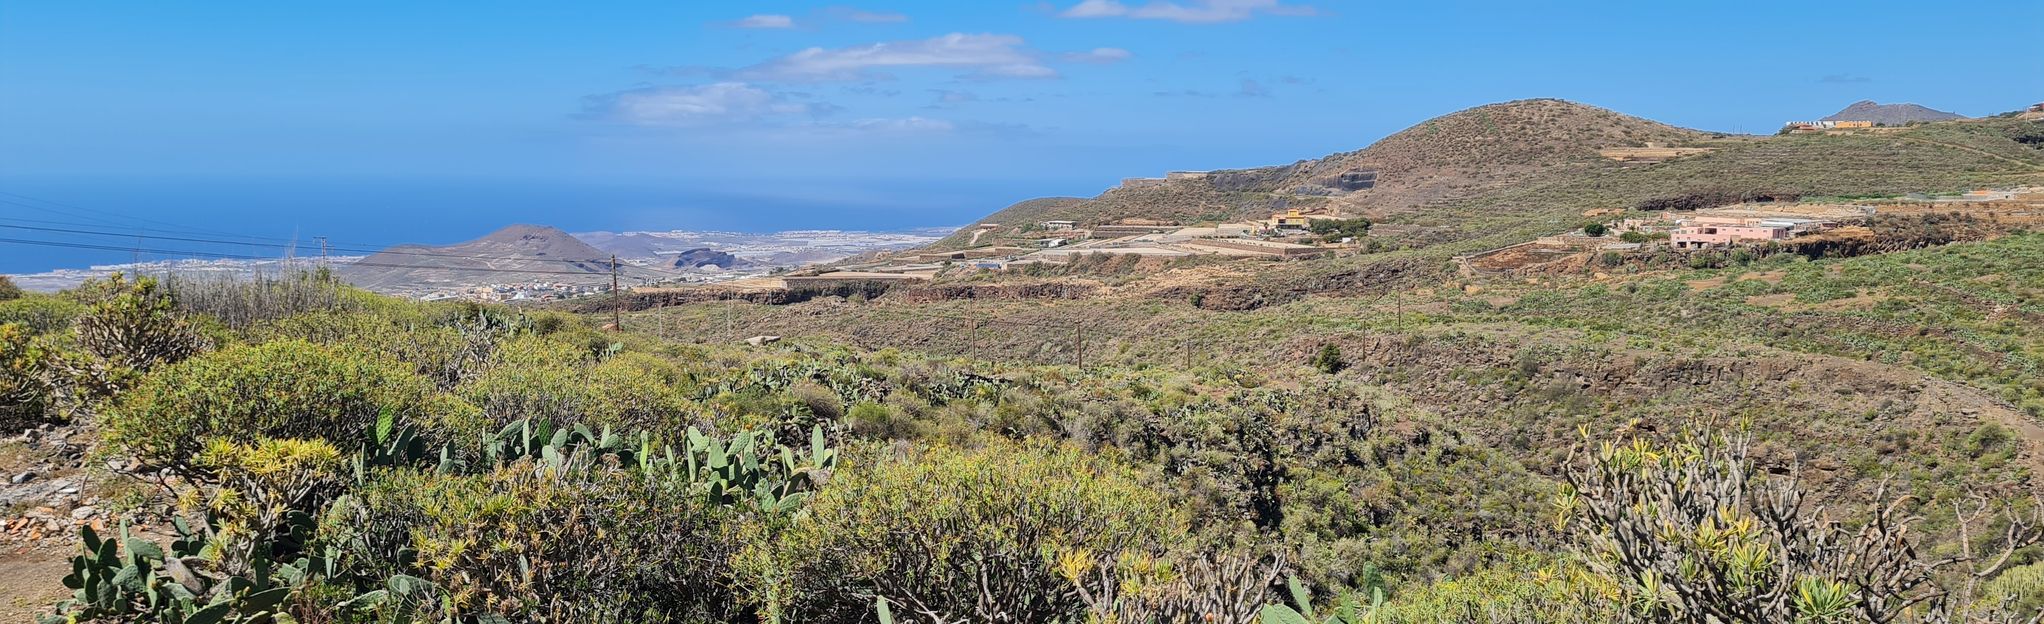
x,y
41,314
135,325
951,532
24,393
532,545
287,389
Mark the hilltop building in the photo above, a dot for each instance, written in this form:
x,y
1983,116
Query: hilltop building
x,y
1820,126
1708,232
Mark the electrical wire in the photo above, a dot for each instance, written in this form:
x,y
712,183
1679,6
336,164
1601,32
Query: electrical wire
x,y
282,246
190,254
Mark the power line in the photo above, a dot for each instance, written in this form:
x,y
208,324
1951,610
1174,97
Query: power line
x,y
287,246
82,212
190,254
73,210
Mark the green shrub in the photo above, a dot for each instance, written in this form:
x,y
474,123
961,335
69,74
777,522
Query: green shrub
x,y
1328,360
1987,438
287,390
135,326
532,545
1524,591
8,290
41,314
543,378
530,377
24,393
634,391
443,354
947,529
2021,588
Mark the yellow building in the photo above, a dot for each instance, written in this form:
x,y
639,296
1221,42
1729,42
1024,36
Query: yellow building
x,y
1293,220
1853,124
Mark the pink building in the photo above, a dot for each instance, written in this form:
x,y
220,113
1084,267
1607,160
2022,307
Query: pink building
x,y
1705,235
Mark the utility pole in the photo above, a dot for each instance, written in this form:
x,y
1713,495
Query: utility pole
x,y
617,312
972,340
322,250
1080,353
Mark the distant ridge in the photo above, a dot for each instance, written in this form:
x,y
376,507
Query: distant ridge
x,y
1891,114
1451,157
518,253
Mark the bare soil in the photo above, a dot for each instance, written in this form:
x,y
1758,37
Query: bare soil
x,y
31,579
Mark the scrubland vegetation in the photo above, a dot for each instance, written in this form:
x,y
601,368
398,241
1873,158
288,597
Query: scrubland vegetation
x,y
332,456
1731,437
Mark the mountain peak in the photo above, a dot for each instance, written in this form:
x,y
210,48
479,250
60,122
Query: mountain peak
x,y
524,231
1891,114
522,252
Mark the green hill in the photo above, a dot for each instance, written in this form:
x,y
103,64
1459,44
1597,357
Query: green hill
x,y
1523,168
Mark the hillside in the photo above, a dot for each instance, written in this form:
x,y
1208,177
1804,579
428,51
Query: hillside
x,y
1368,424
1457,177
1891,114
519,253
1397,446
1455,156
1487,147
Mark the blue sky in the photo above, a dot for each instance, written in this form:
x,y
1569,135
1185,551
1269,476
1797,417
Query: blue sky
x,y
697,114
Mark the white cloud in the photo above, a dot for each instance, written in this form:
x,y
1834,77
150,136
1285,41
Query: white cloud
x,y
870,17
904,124
766,21
1194,11
986,55
1097,55
702,104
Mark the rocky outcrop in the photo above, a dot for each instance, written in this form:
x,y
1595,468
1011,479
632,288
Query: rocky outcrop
x,y
705,257
1010,292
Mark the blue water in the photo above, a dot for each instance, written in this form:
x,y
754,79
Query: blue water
x,y
376,212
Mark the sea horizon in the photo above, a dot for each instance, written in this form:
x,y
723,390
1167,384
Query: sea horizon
x,y
372,212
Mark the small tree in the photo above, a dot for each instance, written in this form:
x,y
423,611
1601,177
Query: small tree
x,y
8,290
1594,229
1691,533
1329,359
23,389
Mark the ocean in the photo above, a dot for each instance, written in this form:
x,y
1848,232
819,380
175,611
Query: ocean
x,y
108,213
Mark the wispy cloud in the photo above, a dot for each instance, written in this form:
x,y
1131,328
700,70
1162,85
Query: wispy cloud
x,y
984,55
1097,55
947,98
901,124
765,21
741,109
868,17
957,98
1252,88
1844,79
722,102
1193,11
